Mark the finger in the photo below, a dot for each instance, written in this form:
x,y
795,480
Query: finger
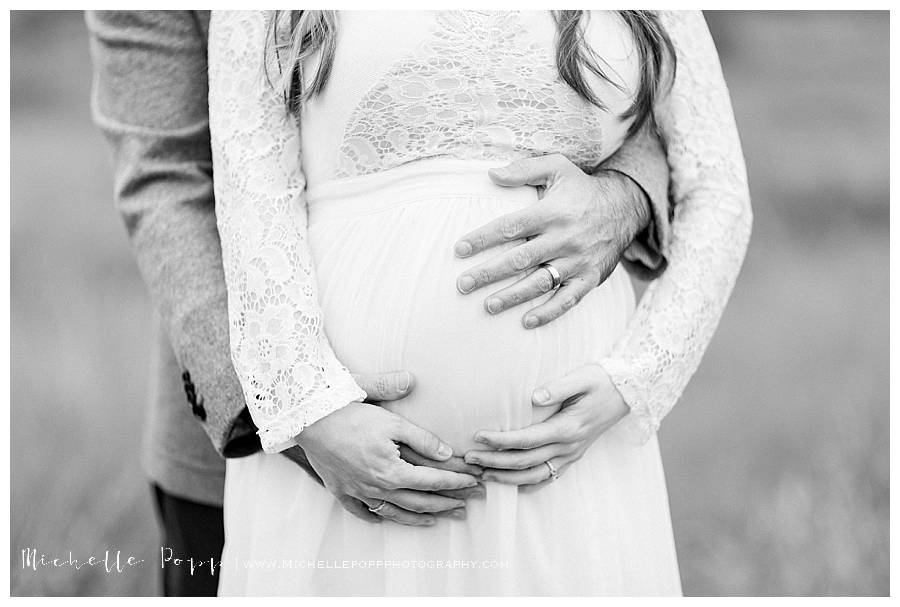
x,y
540,170
394,513
421,441
517,459
385,386
553,430
566,297
476,492
454,464
529,476
560,468
509,263
422,501
558,391
358,509
423,478
534,284
507,228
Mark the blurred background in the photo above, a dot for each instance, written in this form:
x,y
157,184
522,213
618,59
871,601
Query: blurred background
x,y
776,458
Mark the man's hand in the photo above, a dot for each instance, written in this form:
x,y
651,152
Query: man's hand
x,y
581,225
354,450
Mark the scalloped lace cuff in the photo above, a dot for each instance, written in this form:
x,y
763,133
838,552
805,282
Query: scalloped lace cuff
x,y
642,422
281,431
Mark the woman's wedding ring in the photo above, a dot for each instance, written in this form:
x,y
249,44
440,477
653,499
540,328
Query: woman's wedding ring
x,y
554,473
377,509
554,275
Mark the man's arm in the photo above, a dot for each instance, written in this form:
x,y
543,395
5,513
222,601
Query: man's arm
x,y
642,160
150,100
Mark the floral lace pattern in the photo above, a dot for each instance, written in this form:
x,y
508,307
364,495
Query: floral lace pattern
x,y
477,88
289,373
676,318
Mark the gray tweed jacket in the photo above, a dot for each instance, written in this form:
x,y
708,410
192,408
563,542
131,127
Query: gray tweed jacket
x,y
150,100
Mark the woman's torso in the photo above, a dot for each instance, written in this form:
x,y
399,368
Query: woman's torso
x,y
461,84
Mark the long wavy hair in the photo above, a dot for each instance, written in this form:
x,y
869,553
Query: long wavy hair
x,y
296,35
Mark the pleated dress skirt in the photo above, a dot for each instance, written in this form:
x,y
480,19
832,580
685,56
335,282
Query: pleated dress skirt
x,y
383,251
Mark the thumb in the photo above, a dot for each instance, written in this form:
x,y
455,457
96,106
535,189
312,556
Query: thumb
x,y
422,441
527,171
558,391
385,386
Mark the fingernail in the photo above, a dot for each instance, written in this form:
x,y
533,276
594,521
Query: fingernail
x,y
462,249
487,477
465,283
471,459
445,450
501,172
541,395
480,438
459,514
403,382
493,305
531,322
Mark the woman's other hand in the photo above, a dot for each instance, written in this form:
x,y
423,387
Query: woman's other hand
x,y
590,405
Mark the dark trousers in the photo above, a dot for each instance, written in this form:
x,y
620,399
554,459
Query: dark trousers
x,y
190,530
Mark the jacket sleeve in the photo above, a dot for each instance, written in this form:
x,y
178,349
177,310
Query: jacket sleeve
x,y
150,100
643,159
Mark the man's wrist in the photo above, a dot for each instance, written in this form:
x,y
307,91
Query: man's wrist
x,y
634,197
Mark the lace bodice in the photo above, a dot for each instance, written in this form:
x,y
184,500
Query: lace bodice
x,y
462,85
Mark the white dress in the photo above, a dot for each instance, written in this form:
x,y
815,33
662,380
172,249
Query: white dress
x,y
344,260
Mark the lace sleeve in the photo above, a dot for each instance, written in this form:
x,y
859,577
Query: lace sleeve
x,y
675,320
287,369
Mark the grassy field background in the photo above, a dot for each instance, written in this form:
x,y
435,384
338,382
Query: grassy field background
x,y
776,458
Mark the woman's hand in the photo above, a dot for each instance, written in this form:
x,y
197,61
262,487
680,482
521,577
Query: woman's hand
x,y
591,405
355,452
581,225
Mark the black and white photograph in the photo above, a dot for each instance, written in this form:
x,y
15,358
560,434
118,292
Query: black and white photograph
x,y
519,301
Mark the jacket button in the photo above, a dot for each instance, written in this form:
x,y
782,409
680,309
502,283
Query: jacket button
x,y
189,391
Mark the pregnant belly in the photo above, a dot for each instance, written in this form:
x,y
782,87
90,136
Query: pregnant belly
x,y
387,287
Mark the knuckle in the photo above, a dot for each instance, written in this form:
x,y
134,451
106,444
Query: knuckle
x,y
513,297
526,443
479,243
521,259
574,430
417,506
380,388
508,227
385,478
543,281
482,276
568,302
520,464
